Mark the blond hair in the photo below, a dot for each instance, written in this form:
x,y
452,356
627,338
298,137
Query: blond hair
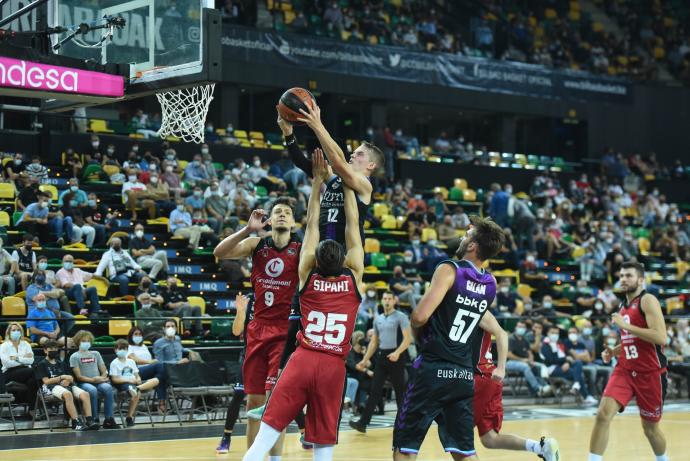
x,y
82,335
9,327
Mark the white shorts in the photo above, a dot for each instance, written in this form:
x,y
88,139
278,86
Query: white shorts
x,y
59,391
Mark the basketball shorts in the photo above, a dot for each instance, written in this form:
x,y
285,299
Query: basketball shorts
x,y
487,404
442,392
648,388
314,379
264,350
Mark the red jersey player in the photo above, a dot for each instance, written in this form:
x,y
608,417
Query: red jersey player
x,y
488,409
641,368
330,293
275,259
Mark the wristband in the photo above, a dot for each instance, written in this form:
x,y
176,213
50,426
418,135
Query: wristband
x,y
290,139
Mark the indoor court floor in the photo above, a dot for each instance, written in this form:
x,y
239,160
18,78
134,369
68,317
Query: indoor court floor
x,y
197,442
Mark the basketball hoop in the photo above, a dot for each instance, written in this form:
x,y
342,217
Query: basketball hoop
x,y
184,112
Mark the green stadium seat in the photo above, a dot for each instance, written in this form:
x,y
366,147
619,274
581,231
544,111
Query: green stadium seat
x,y
455,194
379,260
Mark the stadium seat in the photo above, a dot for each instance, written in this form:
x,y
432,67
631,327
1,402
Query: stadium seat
x,y
441,190
102,284
524,290
111,170
13,306
52,189
381,209
240,134
396,259
469,195
372,245
455,194
119,327
388,222
4,219
7,190
99,126
379,260
197,301
429,233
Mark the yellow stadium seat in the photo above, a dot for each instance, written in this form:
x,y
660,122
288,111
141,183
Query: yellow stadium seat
x,y
241,134
99,126
372,245
644,245
119,327
182,164
429,233
4,219
256,135
460,183
441,190
102,284
197,301
524,290
111,169
388,222
381,209
13,306
7,190
469,195
400,222
578,252
6,160
673,304
50,188
508,273
371,270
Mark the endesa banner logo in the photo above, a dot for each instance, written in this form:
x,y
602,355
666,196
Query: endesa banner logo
x,y
17,73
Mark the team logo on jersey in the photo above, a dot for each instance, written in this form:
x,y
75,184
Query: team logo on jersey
x,y
291,251
336,183
275,267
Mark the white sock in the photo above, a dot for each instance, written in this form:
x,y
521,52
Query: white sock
x,y
533,446
662,457
323,452
265,439
593,457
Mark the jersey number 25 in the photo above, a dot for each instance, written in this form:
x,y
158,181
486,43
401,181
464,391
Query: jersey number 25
x,y
328,328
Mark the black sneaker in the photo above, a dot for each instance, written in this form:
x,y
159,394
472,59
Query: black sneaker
x,y
75,423
78,426
129,421
358,426
110,423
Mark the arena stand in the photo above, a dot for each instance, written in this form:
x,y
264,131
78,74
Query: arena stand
x,y
568,230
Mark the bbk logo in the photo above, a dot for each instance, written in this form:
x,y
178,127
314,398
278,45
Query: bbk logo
x,y
275,267
471,302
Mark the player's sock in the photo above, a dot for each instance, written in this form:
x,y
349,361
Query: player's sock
x,y
593,457
265,439
323,452
533,446
662,457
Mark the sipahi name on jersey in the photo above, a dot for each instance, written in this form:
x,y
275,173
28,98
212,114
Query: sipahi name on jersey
x,y
331,287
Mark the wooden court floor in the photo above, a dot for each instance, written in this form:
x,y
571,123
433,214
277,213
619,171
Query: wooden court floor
x,y
627,443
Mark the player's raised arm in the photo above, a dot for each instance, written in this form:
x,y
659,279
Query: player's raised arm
x,y
353,239
489,324
357,181
241,244
442,280
241,303
307,259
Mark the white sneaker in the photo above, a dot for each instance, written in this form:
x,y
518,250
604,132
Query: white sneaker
x,y
549,449
575,388
544,391
590,400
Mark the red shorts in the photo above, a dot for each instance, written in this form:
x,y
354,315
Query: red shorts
x,y
265,344
487,404
649,389
314,379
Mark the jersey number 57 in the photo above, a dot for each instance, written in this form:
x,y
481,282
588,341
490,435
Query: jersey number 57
x,y
460,331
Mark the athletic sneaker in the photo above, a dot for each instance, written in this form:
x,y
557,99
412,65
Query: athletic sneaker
x,y
549,449
591,401
224,446
306,445
109,423
257,413
358,426
78,426
544,391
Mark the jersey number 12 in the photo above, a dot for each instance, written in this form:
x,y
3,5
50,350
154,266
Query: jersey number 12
x,y
460,331
328,328
332,215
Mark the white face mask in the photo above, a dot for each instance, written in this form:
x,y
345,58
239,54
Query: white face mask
x,y
168,169
572,337
554,338
154,180
170,332
139,234
257,163
132,178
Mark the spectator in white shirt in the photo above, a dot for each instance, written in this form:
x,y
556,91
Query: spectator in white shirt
x,y
121,266
73,281
148,366
17,357
134,193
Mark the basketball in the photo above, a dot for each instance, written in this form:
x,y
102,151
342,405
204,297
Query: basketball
x,y
291,102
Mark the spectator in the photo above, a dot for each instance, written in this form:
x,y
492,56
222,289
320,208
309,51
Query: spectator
x,y
53,296
227,184
17,358
438,206
172,180
7,280
74,165
37,219
168,349
175,301
181,225
562,365
521,360
584,299
77,194
403,288
51,278
147,256
151,291
217,206
596,370
14,168
80,228
36,170
547,310
506,298
149,367
498,205
442,144
125,376
42,324
73,281
57,380
98,217
333,17
134,193
195,204
460,218
92,376
121,267
368,308
446,231
28,194
159,192
195,174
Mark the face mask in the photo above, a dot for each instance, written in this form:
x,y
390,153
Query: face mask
x,y
528,307
180,208
572,337
371,293
408,259
554,338
52,355
111,151
530,259
154,180
153,167
204,151
170,156
196,163
42,266
605,331
121,354
28,246
668,340
197,193
137,339
139,234
170,332
73,203
228,177
44,204
257,163
132,178
40,279
74,188
168,169
415,242
520,331
85,345
505,290
598,306
15,335
587,331
611,342
17,162
547,305
92,203
117,247
95,144
135,148
146,306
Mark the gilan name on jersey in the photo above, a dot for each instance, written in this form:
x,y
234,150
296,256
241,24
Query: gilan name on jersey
x,y
331,287
474,287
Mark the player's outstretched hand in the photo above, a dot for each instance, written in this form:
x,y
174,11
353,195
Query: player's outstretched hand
x,y
498,375
312,116
241,302
285,126
319,166
256,222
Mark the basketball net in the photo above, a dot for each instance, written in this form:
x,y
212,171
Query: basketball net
x,y
184,112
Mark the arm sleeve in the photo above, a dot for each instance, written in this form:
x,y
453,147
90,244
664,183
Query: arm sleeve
x,y
290,342
297,156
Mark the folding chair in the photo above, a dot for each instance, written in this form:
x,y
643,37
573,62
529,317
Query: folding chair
x,y
123,397
185,389
6,401
45,401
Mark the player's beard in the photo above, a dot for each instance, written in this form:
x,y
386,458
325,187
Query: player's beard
x,y
462,248
632,289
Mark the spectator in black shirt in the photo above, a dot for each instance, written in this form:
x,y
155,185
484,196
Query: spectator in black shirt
x,y
402,287
521,360
154,298
613,261
506,298
98,217
56,378
28,194
15,168
175,302
411,271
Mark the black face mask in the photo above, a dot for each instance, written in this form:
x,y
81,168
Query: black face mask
x,y
172,287
53,354
28,246
146,285
117,247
